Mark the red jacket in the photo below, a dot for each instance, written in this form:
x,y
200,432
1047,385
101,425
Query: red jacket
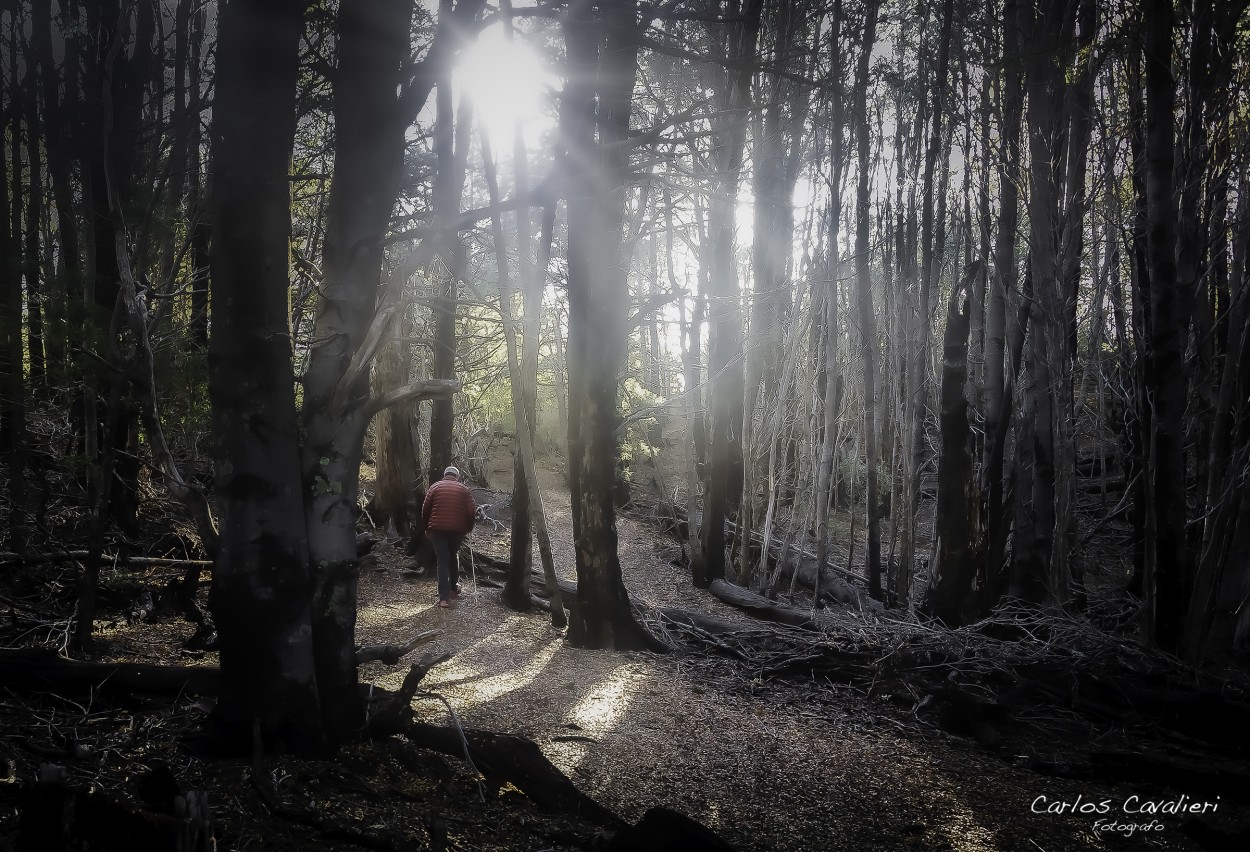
x,y
448,507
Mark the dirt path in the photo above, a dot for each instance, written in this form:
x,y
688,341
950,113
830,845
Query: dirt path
x,y
771,767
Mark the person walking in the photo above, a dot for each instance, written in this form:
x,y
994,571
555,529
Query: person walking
x,y
448,514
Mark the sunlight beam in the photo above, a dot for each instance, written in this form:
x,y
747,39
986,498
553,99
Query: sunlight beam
x,y
484,690
508,84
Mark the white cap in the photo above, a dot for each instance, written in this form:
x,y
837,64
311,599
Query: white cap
x,y
453,470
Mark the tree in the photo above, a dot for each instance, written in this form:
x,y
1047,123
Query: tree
x,y
948,598
12,352
1043,566
451,150
723,472
863,297
524,414
996,390
777,138
285,581
1171,304
602,56
262,585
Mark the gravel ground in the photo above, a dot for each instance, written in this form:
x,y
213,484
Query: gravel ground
x,y
769,766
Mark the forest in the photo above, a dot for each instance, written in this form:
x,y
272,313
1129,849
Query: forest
x,y
855,397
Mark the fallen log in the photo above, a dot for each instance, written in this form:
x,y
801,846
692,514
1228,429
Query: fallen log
x,y
494,563
505,758
759,606
43,668
710,624
833,588
539,585
837,584
8,558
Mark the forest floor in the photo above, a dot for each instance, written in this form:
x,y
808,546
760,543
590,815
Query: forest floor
x,y
769,765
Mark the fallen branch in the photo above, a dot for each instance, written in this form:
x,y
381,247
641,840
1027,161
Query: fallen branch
x,y
395,714
8,558
392,654
504,758
42,667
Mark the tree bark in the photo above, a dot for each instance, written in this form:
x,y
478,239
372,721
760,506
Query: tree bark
x,y
997,408
397,438
261,594
602,55
451,151
1171,304
863,298
34,218
950,592
12,370
723,473
371,121
522,413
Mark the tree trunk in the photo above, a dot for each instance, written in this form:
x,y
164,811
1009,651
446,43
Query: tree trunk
x,y
34,218
58,114
371,122
516,593
773,177
997,407
451,151
198,215
863,298
261,595
1171,303
397,437
12,371
930,250
723,473
1045,567
950,592
829,383
523,414
602,56
1137,414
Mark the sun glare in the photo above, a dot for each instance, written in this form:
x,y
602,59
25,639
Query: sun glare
x,y
507,83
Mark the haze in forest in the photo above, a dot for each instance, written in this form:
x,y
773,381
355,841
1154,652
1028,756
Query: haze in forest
x,y
929,314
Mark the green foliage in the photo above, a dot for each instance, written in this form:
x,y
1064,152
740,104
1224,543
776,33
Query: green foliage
x,y
642,433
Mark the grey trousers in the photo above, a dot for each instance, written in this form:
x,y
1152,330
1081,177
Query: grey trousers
x,y
446,550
